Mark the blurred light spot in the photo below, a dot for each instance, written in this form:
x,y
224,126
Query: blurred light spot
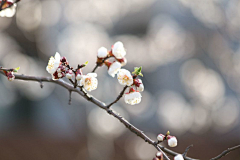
x,y
201,121
203,84
208,12
29,15
106,125
74,42
225,118
136,148
168,42
174,112
51,11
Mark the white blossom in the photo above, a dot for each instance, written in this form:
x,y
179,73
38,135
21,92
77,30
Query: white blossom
x,y
89,81
132,98
160,137
8,12
53,63
125,77
102,52
118,50
69,74
178,157
172,141
114,68
140,88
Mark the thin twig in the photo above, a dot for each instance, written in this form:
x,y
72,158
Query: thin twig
x,y
102,105
224,153
94,69
118,98
186,150
70,98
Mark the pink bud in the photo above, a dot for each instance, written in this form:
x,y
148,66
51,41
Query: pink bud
x,y
161,137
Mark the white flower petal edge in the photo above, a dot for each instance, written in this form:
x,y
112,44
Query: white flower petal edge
x,y
178,157
118,50
133,98
9,12
114,68
102,52
125,77
89,81
53,63
172,141
141,86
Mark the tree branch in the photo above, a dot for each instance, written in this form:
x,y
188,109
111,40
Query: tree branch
x,y
118,98
80,91
224,153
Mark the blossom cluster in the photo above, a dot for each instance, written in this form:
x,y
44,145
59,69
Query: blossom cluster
x,y
172,140
8,8
59,67
124,76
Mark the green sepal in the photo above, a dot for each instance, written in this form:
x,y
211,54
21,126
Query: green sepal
x,y
16,69
138,71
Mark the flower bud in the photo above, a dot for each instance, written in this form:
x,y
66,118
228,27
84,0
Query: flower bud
x,y
138,83
159,155
118,50
79,74
178,157
172,141
102,52
160,137
10,76
69,74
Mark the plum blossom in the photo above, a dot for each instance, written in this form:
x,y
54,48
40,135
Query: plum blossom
x,y
125,77
114,68
118,50
89,81
178,157
172,141
133,97
102,52
53,63
8,12
10,76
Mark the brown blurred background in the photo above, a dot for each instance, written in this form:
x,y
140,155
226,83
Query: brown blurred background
x,y
190,53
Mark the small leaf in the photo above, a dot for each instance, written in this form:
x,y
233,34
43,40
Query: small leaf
x,y
16,69
86,63
168,133
138,71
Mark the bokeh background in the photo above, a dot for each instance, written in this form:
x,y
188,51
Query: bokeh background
x,y
190,53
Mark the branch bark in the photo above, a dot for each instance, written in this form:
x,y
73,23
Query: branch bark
x,y
224,153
